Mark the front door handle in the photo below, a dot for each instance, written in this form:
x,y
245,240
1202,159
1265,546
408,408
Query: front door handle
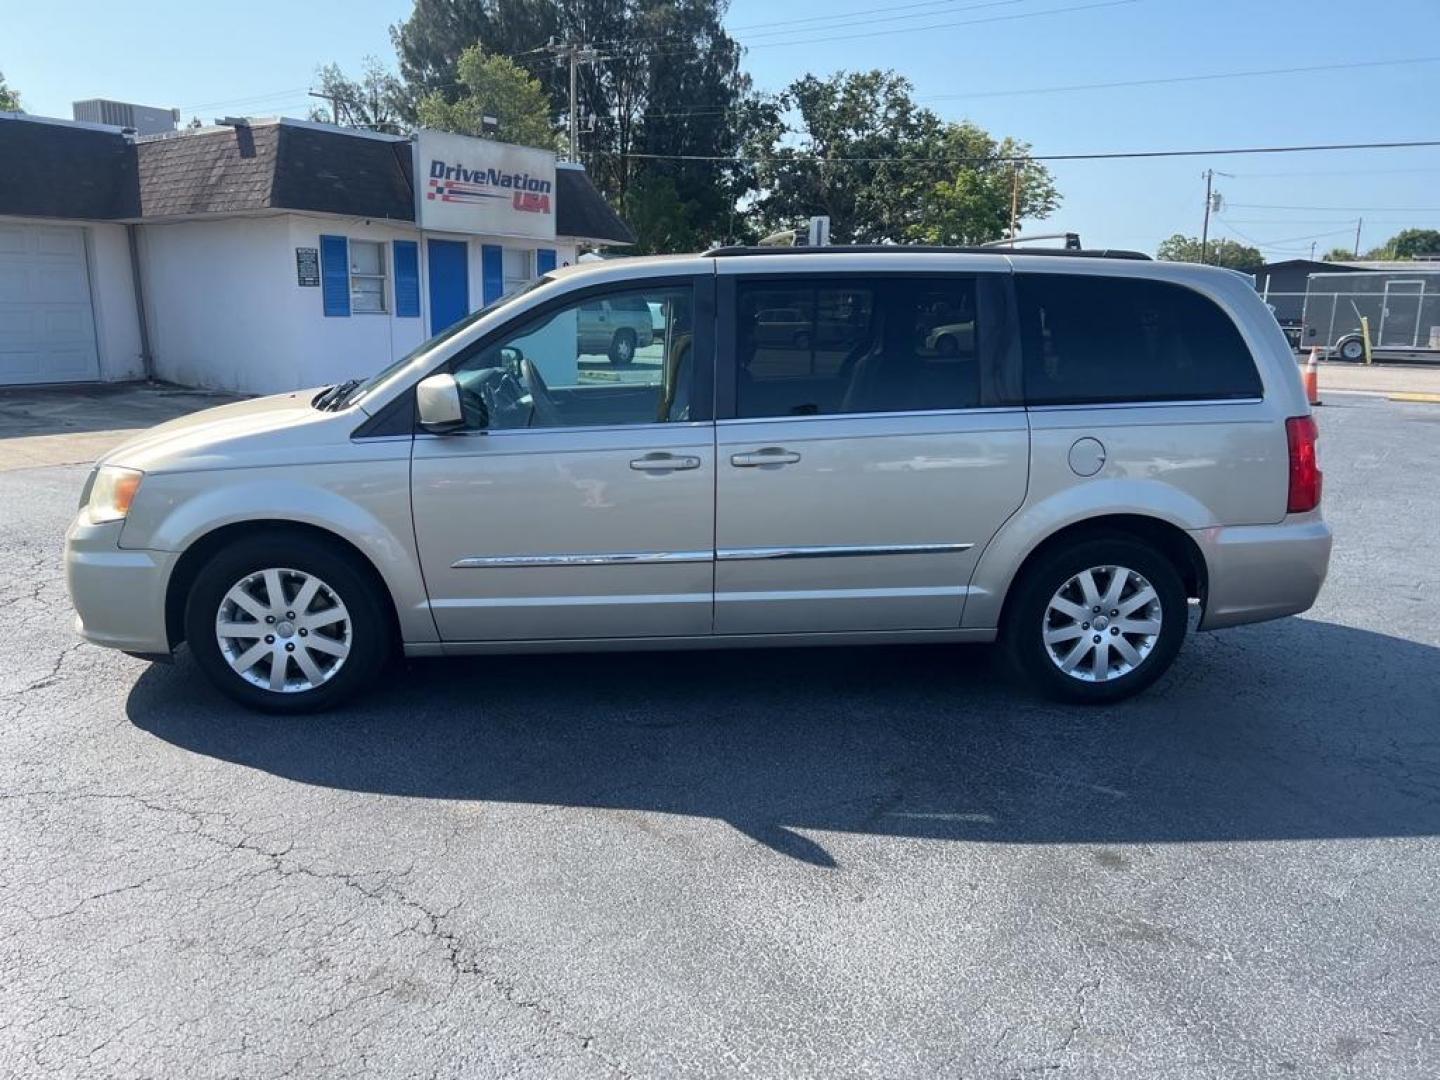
x,y
770,455
660,462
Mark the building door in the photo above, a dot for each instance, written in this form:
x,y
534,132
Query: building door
x,y
47,324
449,282
1400,321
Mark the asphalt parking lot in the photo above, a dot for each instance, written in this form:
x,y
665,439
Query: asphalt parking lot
x,y
884,863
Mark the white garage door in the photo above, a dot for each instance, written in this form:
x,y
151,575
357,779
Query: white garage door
x,y
47,327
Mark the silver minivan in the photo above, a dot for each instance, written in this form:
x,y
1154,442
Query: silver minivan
x,y
1109,442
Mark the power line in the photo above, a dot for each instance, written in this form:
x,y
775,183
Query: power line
x,y
856,18
1319,221
1188,78
870,11
1287,239
1209,77
1345,209
909,29
1332,172
244,100
1117,155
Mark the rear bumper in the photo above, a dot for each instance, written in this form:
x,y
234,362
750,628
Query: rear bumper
x,y
1259,572
119,595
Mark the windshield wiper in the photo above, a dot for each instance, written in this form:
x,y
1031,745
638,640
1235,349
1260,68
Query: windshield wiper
x,y
333,398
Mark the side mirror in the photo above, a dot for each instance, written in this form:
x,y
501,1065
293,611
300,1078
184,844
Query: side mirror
x,y
437,403
510,358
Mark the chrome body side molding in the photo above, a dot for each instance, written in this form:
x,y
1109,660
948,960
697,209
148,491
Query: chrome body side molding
x,y
622,558
644,558
837,551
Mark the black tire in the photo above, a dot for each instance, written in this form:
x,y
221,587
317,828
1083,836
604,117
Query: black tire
x,y
622,346
1350,349
947,346
342,573
1022,634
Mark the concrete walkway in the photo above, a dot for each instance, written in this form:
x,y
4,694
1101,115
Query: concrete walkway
x,y
71,425
1383,379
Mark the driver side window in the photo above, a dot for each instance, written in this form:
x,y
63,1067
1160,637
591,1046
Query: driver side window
x,y
622,357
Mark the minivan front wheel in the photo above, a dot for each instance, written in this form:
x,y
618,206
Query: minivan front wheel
x,y
286,623
1098,621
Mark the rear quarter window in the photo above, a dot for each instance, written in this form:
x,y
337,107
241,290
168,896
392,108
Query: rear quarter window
x,y
1092,339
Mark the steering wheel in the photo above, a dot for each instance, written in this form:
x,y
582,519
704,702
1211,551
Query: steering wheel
x,y
541,401
488,397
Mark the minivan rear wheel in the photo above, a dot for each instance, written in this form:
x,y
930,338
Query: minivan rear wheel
x,y
286,623
1097,621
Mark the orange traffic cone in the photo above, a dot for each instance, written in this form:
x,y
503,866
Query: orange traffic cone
x,y
1312,377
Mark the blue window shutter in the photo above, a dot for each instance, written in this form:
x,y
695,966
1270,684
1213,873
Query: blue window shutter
x,y
335,275
492,272
407,279
544,260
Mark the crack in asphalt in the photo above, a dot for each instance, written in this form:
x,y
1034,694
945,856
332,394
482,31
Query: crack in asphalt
x,y
431,926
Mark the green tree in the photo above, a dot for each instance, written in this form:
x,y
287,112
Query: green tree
x,y
884,169
972,203
1227,253
498,87
376,100
9,99
1338,254
665,92
1407,244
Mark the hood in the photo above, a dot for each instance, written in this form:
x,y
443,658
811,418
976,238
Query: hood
x,y
260,431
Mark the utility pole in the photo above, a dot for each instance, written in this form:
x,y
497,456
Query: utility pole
x,y
1358,222
575,55
334,100
1205,228
1015,202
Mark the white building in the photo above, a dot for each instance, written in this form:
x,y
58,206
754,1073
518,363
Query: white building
x,y
268,256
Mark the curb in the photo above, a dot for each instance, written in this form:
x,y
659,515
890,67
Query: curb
x,y
1428,399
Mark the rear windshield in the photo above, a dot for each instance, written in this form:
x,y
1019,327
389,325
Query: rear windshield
x,y
1090,340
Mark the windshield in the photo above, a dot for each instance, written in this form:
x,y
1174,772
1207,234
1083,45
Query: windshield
x,y
356,390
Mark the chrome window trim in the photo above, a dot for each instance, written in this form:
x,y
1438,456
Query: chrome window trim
x,y
676,425
1149,403
810,417
619,558
836,551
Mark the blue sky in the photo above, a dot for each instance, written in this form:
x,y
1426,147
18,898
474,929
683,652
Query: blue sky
x,y
260,57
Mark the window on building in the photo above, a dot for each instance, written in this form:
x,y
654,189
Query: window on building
x,y
517,269
1090,339
857,346
367,276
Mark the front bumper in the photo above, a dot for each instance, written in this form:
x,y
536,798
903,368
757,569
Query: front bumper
x,y
119,595
1259,572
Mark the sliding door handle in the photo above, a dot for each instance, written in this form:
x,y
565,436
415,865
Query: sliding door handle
x,y
770,455
659,463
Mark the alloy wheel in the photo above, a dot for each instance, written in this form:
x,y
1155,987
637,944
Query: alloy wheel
x,y
1102,623
283,630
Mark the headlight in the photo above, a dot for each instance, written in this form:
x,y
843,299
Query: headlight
x,y
112,493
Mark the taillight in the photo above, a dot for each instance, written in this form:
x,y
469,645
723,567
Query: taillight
x,y
1305,478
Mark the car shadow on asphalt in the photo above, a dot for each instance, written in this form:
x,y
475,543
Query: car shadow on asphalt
x,y
1292,730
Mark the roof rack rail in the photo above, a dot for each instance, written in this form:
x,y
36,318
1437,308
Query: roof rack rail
x,y
912,249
